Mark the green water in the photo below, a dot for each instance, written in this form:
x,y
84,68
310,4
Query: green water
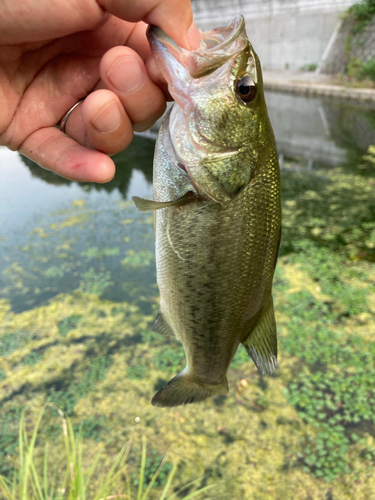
x,y
78,296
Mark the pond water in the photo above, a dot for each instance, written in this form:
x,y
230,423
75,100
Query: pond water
x,y
78,297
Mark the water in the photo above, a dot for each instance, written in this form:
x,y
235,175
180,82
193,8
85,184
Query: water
x,y
78,295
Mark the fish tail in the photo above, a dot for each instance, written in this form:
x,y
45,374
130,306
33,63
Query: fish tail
x,y
184,389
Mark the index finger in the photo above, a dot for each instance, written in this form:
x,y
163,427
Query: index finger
x,y
174,17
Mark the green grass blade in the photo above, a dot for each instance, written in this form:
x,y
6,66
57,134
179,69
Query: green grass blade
x,y
80,476
51,493
169,482
4,487
22,473
191,483
198,492
93,466
143,467
27,453
45,470
116,469
36,484
127,482
154,478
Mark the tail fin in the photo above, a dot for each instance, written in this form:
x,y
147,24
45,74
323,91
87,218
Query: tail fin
x,y
184,389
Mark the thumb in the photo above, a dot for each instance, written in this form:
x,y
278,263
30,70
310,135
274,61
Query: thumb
x,y
174,17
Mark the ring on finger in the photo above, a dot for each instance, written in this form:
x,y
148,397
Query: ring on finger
x,y
64,119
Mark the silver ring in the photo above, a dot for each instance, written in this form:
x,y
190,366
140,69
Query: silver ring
x,y
64,119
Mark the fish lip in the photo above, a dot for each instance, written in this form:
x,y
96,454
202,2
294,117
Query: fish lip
x,y
214,45
237,25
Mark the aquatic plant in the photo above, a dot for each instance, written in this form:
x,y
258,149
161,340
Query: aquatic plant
x,y
69,323
95,281
334,388
67,396
97,358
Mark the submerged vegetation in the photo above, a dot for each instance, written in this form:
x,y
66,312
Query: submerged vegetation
x,y
78,298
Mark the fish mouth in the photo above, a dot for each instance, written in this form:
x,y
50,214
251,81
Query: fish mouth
x,y
216,47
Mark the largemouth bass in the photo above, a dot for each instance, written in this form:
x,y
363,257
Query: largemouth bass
x,y
217,209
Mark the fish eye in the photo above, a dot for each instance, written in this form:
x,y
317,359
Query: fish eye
x,y
246,88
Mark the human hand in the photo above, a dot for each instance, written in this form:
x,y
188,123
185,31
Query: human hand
x,y
54,53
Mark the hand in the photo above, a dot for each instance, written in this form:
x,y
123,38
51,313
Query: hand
x,y
54,53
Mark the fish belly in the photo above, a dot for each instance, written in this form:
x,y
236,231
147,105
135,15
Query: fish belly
x,y
215,264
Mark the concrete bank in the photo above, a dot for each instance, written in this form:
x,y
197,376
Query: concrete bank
x,y
312,84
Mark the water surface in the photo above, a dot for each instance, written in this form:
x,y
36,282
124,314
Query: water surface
x,y
78,296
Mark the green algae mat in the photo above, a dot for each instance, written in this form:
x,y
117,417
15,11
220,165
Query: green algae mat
x,y
78,297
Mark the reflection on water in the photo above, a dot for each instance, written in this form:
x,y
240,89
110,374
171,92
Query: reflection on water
x,y
78,296
320,130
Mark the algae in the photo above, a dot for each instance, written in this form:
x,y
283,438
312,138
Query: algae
x,y
77,303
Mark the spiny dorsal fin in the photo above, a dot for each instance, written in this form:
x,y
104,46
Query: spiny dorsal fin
x,y
161,326
261,344
149,205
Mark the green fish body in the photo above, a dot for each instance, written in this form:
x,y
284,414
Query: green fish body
x,y
217,209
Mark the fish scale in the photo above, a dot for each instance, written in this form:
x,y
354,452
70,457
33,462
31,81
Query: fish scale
x,y
217,214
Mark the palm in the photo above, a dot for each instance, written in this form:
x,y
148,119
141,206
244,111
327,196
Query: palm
x,y
52,54
44,79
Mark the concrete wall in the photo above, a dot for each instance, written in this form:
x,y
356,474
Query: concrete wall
x,y
284,33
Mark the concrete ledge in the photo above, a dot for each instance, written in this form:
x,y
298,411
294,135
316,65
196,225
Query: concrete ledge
x,y
318,89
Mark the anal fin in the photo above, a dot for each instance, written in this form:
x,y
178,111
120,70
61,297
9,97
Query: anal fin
x,y
150,205
261,344
162,326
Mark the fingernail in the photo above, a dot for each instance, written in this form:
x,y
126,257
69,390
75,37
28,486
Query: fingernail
x,y
126,74
108,118
194,36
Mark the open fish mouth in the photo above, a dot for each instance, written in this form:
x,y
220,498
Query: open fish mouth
x,y
216,47
204,85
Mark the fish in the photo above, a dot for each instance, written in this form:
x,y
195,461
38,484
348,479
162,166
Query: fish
x,y
217,212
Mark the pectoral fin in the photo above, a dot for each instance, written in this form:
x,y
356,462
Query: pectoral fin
x,y
150,205
261,344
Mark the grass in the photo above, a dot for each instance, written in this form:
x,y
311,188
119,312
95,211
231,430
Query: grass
x,y
28,482
362,12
